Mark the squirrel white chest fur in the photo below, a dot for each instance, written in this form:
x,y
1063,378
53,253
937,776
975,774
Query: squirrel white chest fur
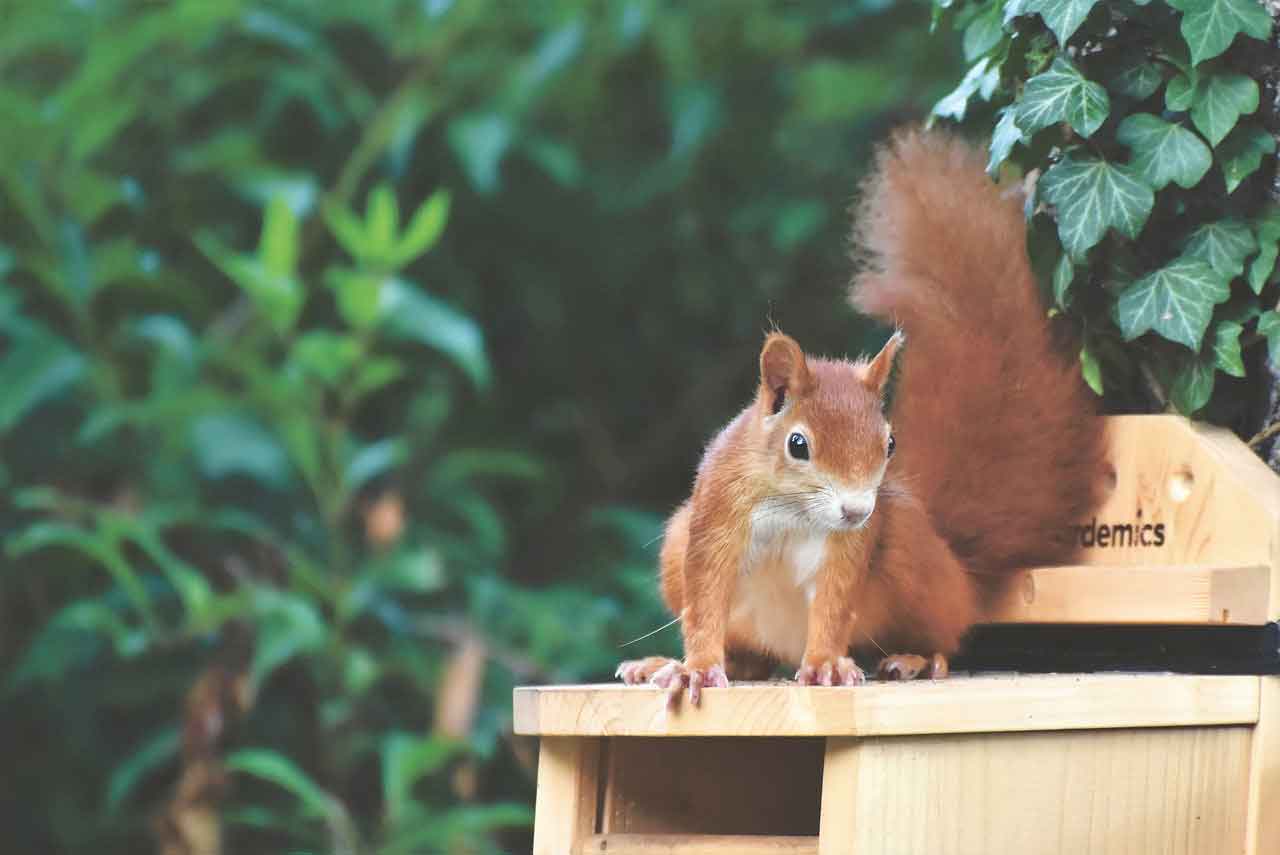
x,y
777,582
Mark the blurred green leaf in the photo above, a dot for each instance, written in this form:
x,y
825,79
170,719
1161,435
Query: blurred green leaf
x,y
382,220
1091,368
480,141
406,759
278,249
230,444
412,314
373,460
275,768
38,366
278,295
358,295
287,625
156,752
423,230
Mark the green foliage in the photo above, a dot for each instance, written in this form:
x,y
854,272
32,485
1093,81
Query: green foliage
x,y
1141,122
332,337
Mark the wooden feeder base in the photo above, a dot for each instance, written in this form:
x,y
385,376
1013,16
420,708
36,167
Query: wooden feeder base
x,y
1098,763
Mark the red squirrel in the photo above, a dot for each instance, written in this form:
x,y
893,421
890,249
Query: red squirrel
x,y
817,526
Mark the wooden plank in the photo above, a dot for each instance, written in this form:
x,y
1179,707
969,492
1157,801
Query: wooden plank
x,y
565,811
1178,594
1179,791
714,785
1205,498
697,844
956,705
1264,774
836,832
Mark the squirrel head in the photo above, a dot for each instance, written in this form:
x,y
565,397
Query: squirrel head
x,y
826,441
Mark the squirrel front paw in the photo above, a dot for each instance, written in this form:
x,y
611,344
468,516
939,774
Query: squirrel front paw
x,y
633,672
830,671
907,666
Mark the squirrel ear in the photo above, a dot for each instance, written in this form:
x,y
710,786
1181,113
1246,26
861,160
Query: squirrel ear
x,y
880,368
783,370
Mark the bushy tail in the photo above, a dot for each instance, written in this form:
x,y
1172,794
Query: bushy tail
x,y
995,429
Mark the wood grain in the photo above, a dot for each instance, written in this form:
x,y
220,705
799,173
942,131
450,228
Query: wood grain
x,y
566,804
1180,791
1181,594
1264,774
956,705
697,844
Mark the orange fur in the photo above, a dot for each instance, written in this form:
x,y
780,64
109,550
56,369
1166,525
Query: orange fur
x,y
996,448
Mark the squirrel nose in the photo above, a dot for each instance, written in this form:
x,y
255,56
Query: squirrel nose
x,y
855,514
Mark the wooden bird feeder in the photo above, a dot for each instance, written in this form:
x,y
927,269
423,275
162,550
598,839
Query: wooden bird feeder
x,y
981,763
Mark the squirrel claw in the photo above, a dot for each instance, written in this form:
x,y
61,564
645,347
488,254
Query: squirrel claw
x,y
842,671
675,676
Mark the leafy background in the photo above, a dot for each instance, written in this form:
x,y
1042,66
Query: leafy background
x,y
350,355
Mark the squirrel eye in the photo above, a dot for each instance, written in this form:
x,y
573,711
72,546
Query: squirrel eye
x,y
798,446
892,445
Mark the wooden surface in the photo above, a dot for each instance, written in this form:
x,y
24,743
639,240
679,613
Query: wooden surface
x,y
698,844
568,794
724,786
836,830
1182,594
957,705
1219,504
1122,792
1264,774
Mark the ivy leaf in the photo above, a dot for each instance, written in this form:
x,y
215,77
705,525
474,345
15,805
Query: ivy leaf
x,y
1226,348
1091,196
1064,273
1220,101
1137,77
1180,94
1091,370
1176,301
1193,387
1242,151
1268,247
1210,26
980,80
983,33
1224,245
1003,139
1064,17
1164,151
1269,327
1063,94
